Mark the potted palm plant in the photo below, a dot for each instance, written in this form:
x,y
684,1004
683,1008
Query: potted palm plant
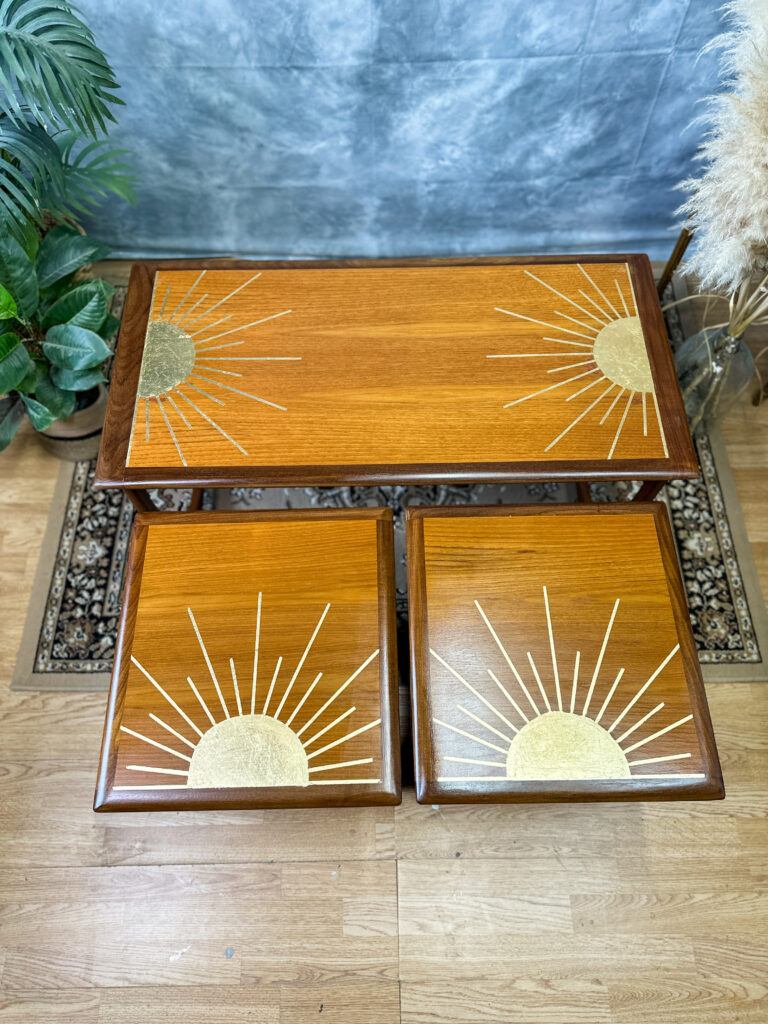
x,y
57,91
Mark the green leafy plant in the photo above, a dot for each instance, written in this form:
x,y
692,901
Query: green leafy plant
x,y
54,328
56,94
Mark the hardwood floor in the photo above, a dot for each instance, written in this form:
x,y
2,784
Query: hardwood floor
x,y
584,914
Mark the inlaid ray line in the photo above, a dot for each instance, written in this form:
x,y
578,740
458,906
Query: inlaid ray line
x,y
471,689
235,687
342,764
215,348
598,308
349,736
469,736
133,427
586,387
572,366
243,327
208,663
231,294
511,699
191,310
212,422
302,660
200,392
575,686
490,728
631,288
621,425
610,408
534,355
587,327
272,684
215,369
507,658
154,743
537,677
640,722
299,706
324,730
528,272
256,655
551,387
658,760
183,418
227,387
246,359
581,415
600,656
154,771
645,686
661,425
542,323
202,702
611,692
340,690
565,341
621,296
171,730
165,300
474,760
172,433
552,650
202,330
188,292
599,291
342,782
170,699
661,732
645,415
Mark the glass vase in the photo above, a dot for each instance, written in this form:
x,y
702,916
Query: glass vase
x,y
713,368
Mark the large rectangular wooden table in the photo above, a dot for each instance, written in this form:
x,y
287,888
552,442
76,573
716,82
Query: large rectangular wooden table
x,y
308,373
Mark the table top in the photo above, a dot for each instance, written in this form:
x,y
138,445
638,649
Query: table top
x,y
255,664
552,657
393,371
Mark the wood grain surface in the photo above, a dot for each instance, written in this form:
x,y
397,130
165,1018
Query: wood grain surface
x,y
255,663
552,657
307,373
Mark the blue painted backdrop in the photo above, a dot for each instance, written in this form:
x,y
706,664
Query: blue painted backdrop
x,y
395,127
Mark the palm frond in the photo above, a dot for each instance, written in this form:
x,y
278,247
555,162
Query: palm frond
x,y
30,161
49,62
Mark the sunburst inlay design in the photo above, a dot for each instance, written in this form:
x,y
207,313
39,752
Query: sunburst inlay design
x,y
272,740
606,350
538,735
178,362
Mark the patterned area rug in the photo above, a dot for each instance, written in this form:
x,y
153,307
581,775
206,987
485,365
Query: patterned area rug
x,y
71,626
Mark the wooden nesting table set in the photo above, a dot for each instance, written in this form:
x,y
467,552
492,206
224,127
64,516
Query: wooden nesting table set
x,y
551,650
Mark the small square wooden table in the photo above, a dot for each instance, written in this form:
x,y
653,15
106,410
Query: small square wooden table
x,y
393,371
255,665
552,657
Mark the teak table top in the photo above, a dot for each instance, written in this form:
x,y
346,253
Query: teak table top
x,y
255,663
552,657
393,371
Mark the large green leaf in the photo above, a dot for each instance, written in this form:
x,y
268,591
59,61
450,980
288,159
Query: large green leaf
x,y
109,328
17,274
8,308
60,402
74,348
35,373
11,415
14,362
62,252
84,306
41,417
50,61
76,380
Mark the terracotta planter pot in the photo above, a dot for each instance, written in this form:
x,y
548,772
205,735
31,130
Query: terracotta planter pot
x,y
78,436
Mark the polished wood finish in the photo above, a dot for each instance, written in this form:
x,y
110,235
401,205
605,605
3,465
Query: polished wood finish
x,y
683,241
588,594
232,600
382,372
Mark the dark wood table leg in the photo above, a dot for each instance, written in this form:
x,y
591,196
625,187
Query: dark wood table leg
x,y
583,491
140,499
196,500
649,490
